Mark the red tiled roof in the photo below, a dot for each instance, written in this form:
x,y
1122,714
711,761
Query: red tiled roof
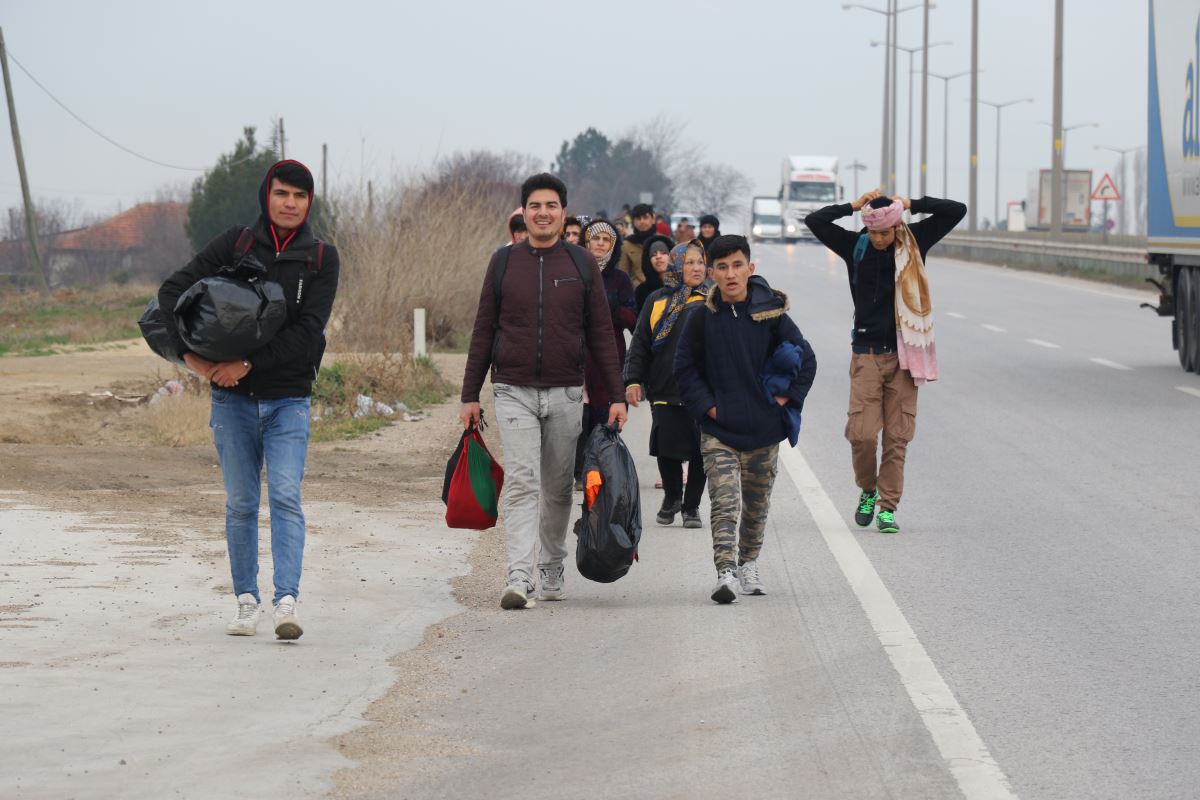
x,y
125,231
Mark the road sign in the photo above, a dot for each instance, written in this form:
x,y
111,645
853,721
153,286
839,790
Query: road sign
x,y
1106,189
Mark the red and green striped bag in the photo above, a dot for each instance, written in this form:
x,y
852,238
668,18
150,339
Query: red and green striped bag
x,y
473,482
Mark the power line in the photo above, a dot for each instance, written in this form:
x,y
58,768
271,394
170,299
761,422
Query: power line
x,y
106,138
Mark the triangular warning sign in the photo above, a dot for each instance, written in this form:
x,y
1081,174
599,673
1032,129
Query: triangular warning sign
x,y
1106,189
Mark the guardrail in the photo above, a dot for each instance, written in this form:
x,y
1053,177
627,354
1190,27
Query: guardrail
x,y
1049,255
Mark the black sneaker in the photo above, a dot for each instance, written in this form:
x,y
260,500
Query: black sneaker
x,y
887,522
666,514
866,508
691,518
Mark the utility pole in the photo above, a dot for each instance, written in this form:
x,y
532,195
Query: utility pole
x,y
856,167
324,170
884,168
1056,175
973,188
30,214
924,99
895,104
945,79
1000,107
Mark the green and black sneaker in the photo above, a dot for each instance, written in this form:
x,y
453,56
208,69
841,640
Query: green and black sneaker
x,y
887,522
866,508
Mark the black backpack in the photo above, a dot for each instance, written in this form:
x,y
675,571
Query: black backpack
x,y
574,251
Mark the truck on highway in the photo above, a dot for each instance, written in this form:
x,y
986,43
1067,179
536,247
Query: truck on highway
x,y
765,219
808,183
1173,160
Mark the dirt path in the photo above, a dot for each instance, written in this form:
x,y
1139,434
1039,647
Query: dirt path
x,y
114,589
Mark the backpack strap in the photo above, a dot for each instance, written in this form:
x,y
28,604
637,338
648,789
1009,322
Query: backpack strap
x,y
498,281
243,244
585,275
860,250
320,260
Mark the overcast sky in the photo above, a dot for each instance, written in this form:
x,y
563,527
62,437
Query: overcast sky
x,y
390,85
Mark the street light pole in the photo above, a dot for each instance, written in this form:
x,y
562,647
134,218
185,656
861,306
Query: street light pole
x,y
912,51
946,126
1000,107
973,189
887,167
1067,130
856,167
1121,151
925,98
1056,164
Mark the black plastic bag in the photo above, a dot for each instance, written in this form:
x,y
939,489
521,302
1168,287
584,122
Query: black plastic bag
x,y
156,334
611,526
225,319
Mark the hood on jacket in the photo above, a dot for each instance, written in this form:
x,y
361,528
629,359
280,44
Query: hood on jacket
x,y
512,235
653,279
613,259
264,192
762,301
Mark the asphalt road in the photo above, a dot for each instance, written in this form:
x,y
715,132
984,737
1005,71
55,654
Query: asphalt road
x,y
1037,614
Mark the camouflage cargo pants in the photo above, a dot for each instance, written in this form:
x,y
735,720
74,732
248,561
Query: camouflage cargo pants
x,y
739,485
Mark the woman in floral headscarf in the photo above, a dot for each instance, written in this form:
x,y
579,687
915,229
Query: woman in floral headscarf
x,y
649,375
601,240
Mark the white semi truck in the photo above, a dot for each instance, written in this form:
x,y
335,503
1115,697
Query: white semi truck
x,y
1173,211
808,183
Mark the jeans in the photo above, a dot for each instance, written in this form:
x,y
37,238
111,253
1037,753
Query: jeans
x,y
246,432
539,429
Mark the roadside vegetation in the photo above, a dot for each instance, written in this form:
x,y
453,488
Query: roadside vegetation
x,y
33,324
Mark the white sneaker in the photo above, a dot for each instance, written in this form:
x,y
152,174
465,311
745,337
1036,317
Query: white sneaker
x,y
516,595
286,624
726,591
750,579
248,614
552,583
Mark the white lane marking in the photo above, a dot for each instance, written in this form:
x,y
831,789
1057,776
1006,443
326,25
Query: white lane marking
x,y
993,328
956,315
967,757
1189,390
1042,343
1104,362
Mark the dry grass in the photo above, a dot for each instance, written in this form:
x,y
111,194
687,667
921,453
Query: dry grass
x,y
180,421
421,245
34,324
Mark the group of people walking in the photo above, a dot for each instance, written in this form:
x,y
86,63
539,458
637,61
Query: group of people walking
x,y
713,351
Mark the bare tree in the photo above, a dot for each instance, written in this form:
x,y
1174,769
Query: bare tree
x,y
715,189
663,137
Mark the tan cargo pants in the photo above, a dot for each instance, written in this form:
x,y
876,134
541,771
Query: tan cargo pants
x,y
882,397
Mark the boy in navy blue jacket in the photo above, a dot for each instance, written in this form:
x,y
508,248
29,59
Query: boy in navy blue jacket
x,y
720,366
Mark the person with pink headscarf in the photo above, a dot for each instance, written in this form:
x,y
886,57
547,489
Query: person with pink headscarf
x,y
892,342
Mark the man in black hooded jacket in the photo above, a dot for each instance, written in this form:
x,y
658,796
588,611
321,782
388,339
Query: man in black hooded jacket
x,y
260,402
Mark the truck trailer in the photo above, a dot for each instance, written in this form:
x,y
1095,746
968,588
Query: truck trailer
x,y
1173,162
807,184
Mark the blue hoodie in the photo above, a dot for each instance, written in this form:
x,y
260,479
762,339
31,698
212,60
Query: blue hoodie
x,y
722,359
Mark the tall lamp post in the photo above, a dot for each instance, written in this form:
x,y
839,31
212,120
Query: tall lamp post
x,y
1065,130
1000,107
856,167
946,126
887,166
1121,151
908,187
